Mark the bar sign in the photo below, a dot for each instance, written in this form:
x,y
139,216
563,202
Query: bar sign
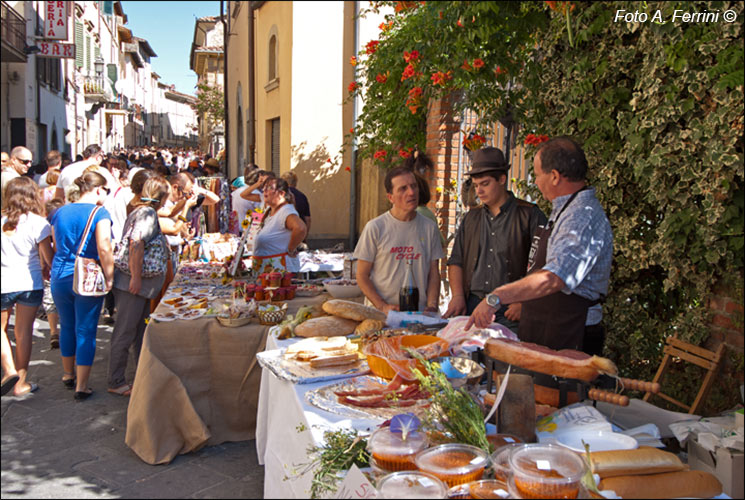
x,y
57,50
56,20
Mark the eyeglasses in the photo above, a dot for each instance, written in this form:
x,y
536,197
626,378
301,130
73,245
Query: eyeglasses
x,y
106,189
27,162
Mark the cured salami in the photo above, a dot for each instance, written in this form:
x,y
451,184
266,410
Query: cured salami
x,y
566,363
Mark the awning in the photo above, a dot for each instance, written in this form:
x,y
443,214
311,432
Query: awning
x,y
122,112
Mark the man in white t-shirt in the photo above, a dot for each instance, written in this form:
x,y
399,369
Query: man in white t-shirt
x,y
18,164
93,155
54,161
390,240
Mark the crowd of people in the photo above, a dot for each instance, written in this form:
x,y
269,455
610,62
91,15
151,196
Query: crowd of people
x,y
128,210
543,278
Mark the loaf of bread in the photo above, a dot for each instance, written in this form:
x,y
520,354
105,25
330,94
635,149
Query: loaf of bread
x,y
688,484
325,326
369,326
643,460
352,310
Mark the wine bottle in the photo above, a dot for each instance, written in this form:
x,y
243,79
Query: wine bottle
x,y
408,297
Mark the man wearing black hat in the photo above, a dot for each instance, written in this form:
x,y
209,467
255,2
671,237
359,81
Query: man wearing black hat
x,y
493,241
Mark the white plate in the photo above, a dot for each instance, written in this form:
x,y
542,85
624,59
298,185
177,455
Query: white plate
x,y
598,441
161,317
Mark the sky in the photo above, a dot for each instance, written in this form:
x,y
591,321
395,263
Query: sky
x,y
169,29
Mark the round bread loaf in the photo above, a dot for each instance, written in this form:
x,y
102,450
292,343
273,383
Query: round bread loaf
x,y
325,326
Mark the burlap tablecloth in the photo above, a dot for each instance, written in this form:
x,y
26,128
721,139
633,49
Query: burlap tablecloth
x,y
197,384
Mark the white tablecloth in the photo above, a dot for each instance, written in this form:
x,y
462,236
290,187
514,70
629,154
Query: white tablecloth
x,y
286,426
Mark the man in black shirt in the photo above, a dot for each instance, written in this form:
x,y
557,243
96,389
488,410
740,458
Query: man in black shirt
x,y
301,201
492,242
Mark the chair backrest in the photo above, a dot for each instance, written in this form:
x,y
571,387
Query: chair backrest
x,y
706,359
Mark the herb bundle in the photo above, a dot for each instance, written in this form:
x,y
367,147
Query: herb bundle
x,y
455,410
342,449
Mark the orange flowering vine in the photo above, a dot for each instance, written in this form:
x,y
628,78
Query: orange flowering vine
x,y
440,78
371,47
381,78
466,65
385,26
409,71
347,169
411,57
474,141
478,63
380,154
561,6
352,87
412,102
405,153
353,61
534,140
500,71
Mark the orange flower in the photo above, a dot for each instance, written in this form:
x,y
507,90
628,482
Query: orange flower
x,y
460,23
351,130
439,14
347,169
328,161
404,153
385,26
415,93
466,65
382,78
371,47
380,154
478,63
353,61
440,78
409,71
413,109
412,56
500,71
352,87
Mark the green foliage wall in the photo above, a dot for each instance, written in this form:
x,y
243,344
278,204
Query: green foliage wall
x,y
658,107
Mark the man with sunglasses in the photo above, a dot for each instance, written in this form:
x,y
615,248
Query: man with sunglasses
x,y
20,161
93,156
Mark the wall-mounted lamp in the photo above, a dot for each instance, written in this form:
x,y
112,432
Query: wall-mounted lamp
x,y
98,65
31,49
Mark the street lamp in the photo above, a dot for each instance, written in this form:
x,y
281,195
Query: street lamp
x,y
98,65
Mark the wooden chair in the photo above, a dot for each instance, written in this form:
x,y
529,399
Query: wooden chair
x,y
690,353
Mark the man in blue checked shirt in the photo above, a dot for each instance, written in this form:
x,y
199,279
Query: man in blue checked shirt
x,y
570,258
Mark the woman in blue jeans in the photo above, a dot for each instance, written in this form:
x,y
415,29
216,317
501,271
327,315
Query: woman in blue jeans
x,y
79,314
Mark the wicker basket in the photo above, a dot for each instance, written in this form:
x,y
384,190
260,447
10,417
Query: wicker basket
x,y
269,318
233,322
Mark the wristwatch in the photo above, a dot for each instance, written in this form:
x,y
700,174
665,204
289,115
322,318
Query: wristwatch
x,y
492,300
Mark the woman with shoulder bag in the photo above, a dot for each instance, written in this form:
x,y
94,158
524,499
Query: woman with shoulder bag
x,y
140,271
80,228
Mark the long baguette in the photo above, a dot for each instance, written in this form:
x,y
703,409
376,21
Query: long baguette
x,y
643,460
689,484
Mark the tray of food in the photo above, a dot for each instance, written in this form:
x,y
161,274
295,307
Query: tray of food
x,y
315,359
368,396
309,290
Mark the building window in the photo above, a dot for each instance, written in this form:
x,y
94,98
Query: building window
x,y
48,72
272,58
274,152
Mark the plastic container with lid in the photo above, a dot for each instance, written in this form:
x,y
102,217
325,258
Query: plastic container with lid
x,y
488,488
411,484
264,280
279,294
546,471
390,453
500,461
259,293
287,279
453,463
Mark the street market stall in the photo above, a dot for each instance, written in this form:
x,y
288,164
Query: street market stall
x,y
197,380
288,438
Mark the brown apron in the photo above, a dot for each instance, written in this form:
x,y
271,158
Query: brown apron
x,y
558,320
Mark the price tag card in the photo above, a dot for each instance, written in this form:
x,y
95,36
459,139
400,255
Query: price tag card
x,y
356,485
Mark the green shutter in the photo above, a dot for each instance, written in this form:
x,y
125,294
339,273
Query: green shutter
x,y
88,53
79,45
108,7
112,71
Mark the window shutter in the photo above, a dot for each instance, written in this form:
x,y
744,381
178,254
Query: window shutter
x,y
275,146
79,45
108,7
88,53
